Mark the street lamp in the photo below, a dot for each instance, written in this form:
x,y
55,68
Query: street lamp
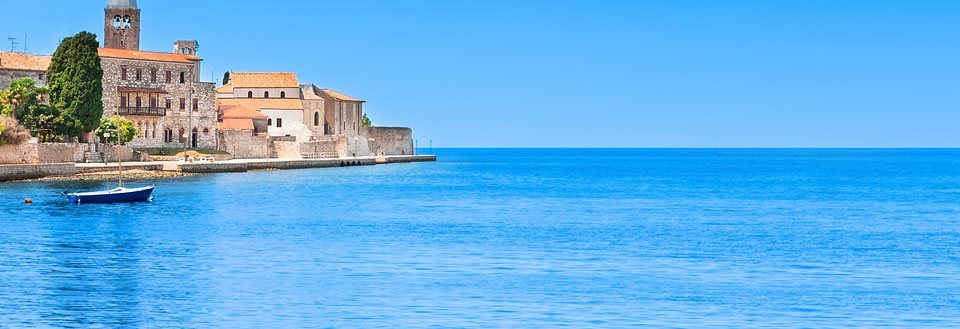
x,y
187,140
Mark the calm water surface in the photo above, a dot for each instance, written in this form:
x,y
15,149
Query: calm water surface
x,y
505,238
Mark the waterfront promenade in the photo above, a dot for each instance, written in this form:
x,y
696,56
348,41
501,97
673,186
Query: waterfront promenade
x,y
36,171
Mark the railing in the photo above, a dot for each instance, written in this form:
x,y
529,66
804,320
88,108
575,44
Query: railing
x,y
152,111
320,155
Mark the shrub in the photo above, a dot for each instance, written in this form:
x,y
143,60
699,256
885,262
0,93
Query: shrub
x,y
11,132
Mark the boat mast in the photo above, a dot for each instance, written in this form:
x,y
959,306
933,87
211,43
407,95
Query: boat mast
x,y
119,158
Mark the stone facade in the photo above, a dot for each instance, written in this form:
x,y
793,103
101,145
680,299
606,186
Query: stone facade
x,y
168,108
390,141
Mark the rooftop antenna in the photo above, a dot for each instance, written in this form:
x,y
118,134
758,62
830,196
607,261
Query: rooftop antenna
x,y
13,44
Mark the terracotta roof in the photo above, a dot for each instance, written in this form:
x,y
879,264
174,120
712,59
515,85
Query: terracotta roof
x,y
147,56
264,80
241,112
24,62
264,103
235,124
225,89
341,96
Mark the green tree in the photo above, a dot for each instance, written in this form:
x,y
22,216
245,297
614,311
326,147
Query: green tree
x,y
115,125
76,86
366,121
226,77
24,101
20,97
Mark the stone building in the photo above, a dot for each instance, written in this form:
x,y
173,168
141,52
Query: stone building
x,y
342,114
18,65
161,92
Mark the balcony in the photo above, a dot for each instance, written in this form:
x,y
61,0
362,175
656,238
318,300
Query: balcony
x,y
148,111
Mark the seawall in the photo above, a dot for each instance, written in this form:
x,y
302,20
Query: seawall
x,y
36,171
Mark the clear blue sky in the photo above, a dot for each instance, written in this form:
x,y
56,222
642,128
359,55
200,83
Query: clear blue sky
x,y
599,73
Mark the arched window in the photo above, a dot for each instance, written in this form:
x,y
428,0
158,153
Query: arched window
x,y
116,22
316,119
266,94
279,122
269,121
249,94
283,94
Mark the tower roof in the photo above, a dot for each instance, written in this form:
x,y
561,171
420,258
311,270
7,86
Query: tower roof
x,y
122,4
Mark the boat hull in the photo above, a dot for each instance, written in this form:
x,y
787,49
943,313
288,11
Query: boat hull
x,y
119,195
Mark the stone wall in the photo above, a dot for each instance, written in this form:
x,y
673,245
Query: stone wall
x,y
34,171
19,154
61,152
35,153
244,145
390,140
286,150
39,153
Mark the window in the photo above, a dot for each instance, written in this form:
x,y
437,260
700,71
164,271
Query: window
x,y
168,103
138,101
316,119
269,121
266,94
283,94
249,94
183,136
153,102
123,101
169,77
123,73
41,77
139,74
279,122
153,75
183,77
196,104
183,104
168,135
154,131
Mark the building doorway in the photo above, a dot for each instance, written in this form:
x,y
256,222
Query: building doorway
x,y
193,138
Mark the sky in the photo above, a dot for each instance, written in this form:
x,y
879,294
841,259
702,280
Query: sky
x,y
597,73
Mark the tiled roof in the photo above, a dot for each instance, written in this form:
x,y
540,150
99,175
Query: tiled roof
x,y
147,55
341,96
24,62
241,112
264,80
235,124
264,103
225,89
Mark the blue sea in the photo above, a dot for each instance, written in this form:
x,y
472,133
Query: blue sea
x,y
504,238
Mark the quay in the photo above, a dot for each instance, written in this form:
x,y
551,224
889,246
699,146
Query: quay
x,y
37,171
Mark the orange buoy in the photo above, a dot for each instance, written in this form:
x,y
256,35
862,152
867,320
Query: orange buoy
x,y
27,201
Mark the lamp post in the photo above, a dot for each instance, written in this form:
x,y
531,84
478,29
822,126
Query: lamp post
x,y
188,134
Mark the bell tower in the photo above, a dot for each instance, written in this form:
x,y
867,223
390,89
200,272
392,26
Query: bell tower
x,y
121,25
